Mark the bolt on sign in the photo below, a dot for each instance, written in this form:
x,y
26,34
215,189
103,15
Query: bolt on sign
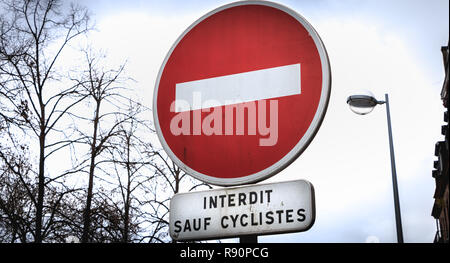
x,y
241,93
230,212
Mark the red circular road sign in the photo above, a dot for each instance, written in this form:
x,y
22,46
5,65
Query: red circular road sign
x,y
241,93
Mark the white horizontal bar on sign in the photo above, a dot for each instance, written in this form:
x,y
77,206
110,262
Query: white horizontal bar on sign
x,y
238,88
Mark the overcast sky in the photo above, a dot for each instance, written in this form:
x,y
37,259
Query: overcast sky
x,y
383,46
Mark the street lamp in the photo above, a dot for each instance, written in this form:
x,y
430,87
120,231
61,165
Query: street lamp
x,y
363,103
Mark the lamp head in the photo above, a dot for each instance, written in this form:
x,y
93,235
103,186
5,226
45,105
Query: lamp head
x,y
362,103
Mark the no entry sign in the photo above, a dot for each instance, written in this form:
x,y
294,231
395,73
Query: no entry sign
x,y
241,93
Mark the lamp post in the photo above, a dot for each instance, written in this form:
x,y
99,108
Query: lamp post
x,y
363,104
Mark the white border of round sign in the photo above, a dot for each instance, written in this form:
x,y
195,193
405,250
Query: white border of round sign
x,y
304,141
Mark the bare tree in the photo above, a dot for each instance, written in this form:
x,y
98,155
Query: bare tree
x,y
101,85
16,187
41,100
9,94
29,28
170,180
131,171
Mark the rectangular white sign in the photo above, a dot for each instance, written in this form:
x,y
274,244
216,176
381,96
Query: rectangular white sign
x,y
249,210
238,88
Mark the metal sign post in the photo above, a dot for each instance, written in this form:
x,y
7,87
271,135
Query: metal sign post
x,y
252,239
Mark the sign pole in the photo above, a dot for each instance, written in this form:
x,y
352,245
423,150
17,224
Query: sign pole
x,y
250,239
